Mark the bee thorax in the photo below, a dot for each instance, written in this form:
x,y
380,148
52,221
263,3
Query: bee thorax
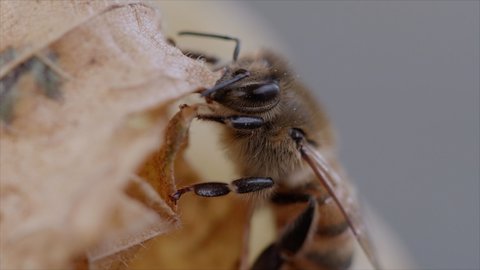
x,y
260,153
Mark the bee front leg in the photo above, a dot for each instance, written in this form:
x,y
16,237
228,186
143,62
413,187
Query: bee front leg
x,y
215,189
291,241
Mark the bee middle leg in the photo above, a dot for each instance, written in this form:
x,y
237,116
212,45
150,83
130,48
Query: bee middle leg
x,y
215,189
293,238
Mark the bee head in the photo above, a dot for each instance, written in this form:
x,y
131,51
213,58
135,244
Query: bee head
x,y
246,89
249,84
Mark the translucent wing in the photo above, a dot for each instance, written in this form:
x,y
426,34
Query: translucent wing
x,y
343,197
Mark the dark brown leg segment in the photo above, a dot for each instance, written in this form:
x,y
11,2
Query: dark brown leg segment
x,y
291,241
236,121
215,189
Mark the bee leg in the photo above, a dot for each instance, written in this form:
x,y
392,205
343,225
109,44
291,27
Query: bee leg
x,y
202,56
215,189
269,259
195,55
236,121
291,240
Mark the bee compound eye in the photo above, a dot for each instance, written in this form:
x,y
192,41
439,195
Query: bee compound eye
x,y
264,92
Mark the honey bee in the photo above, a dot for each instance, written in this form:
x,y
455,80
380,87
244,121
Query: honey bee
x,y
281,140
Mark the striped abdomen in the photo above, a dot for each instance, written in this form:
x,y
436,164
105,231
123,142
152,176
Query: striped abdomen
x,y
330,243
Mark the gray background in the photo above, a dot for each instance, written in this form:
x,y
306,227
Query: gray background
x,y
401,82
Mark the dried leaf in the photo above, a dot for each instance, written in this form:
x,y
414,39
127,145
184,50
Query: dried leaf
x,y
212,235
65,164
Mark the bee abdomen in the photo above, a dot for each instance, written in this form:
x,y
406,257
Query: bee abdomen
x,y
332,230
331,245
329,260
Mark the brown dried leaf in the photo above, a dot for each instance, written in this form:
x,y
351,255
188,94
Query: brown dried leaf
x,y
213,233
211,237
66,162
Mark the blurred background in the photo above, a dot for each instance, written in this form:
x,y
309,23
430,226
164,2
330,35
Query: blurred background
x,y
400,80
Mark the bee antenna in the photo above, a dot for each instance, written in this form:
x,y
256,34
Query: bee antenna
x,y
236,51
226,83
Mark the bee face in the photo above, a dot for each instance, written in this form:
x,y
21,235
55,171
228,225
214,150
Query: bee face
x,y
266,90
257,93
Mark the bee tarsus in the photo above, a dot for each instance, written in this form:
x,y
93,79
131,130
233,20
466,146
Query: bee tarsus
x,y
216,189
236,121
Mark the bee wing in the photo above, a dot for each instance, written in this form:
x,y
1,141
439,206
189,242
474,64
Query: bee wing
x,y
343,197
